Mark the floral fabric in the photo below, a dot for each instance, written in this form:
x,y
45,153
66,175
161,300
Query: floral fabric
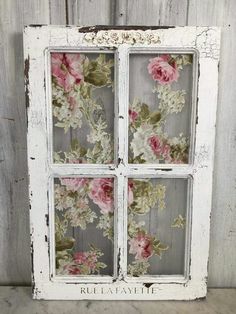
x,y
148,140
146,244
80,202
77,81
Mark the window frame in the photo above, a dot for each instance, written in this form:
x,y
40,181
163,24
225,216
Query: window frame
x,y
204,42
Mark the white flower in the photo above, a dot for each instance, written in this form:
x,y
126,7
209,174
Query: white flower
x,y
66,108
63,199
80,215
139,144
170,101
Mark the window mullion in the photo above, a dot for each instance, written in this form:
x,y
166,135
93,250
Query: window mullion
x,y
140,170
122,106
122,157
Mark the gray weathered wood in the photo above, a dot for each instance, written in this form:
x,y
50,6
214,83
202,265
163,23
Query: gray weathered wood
x,y
14,207
14,239
157,12
222,263
58,12
93,12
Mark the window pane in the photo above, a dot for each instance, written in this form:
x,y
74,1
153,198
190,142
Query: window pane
x,y
160,98
84,225
83,107
156,226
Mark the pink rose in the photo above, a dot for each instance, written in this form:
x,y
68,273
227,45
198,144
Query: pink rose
x,y
67,68
82,262
159,148
87,259
141,245
166,151
91,261
130,192
74,184
73,270
101,192
163,69
132,115
80,257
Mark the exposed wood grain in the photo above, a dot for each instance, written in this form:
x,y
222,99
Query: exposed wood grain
x,y
222,262
157,12
93,12
58,12
120,12
14,207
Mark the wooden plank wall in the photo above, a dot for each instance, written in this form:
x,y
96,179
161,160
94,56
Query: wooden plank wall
x,y
14,14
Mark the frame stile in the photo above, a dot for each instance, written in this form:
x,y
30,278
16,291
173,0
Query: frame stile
x,y
122,117
203,171
37,156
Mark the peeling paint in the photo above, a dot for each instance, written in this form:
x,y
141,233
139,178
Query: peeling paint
x,y
148,285
97,28
32,264
47,220
120,161
118,261
26,73
36,25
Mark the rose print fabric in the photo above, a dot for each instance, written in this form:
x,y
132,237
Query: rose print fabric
x,y
150,211
84,207
81,204
141,246
101,193
67,69
157,81
163,69
83,106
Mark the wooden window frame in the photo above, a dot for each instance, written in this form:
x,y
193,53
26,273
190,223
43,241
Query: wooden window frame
x,y
204,43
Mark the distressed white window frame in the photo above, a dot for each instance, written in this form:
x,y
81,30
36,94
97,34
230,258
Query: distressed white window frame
x,y
39,41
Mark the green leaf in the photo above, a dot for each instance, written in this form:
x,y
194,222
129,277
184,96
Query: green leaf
x,y
144,112
101,265
64,244
85,90
138,159
159,248
155,117
97,78
179,222
74,144
98,72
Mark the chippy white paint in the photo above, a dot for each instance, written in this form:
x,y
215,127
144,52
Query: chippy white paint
x,y
38,42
